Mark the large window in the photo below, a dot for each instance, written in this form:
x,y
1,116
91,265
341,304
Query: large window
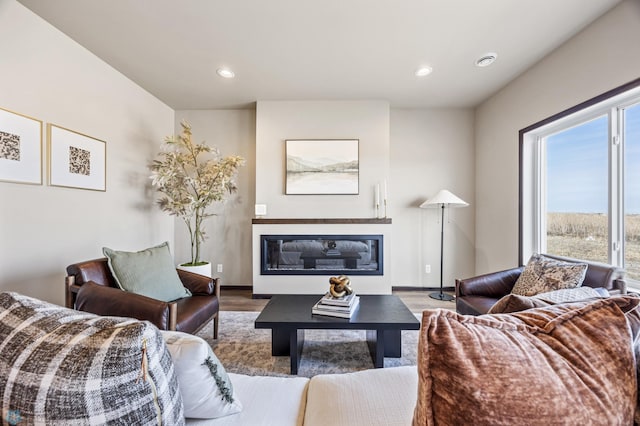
x,y
580,182
632,191
576,191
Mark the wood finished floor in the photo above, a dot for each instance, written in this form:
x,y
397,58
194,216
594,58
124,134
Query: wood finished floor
x,y
241,300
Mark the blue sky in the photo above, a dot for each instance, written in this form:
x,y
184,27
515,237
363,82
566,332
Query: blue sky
x,y
577,167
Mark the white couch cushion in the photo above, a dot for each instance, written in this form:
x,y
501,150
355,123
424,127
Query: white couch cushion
x,y
277,401
384,397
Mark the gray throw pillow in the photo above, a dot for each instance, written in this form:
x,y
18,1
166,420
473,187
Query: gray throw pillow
x,y
149,272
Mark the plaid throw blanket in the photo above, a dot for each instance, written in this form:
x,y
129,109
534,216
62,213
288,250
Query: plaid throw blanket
x,y
63,367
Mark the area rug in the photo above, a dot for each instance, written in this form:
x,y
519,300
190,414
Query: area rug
x,y
243,349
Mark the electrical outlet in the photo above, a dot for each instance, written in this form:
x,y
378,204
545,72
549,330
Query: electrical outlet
x,y
427,269
219,267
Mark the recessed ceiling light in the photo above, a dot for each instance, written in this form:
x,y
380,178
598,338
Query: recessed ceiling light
x,y
225,72
486,59
422,71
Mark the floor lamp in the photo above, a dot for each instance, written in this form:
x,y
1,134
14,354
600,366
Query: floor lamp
x,y
442,199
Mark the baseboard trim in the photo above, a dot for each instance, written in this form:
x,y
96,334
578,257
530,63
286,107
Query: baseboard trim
x,y
261,296
395,288
236,287
411,288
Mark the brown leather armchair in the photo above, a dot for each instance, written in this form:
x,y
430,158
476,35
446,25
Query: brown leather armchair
x,y
475,296
90,287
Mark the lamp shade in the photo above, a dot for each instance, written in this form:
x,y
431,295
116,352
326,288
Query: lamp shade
x,y
443,197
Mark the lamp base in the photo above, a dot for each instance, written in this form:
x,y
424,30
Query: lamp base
x,y
441,296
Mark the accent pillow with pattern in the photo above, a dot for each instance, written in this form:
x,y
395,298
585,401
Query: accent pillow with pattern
x,y
65,367
576,294
543,274
205,386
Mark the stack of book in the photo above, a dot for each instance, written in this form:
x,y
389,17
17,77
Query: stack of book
x,y
341,307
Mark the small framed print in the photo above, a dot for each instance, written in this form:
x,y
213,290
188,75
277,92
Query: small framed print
x,y
76,160
20,148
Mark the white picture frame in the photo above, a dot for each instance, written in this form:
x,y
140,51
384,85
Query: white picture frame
x,y
76,160
20,148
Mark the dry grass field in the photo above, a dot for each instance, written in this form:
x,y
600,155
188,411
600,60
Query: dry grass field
x,y
584,236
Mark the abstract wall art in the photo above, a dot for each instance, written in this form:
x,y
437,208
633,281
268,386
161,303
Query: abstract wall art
x,y
76,160
20,148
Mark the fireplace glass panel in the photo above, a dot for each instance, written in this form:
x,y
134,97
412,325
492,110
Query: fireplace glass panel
x,y
321,254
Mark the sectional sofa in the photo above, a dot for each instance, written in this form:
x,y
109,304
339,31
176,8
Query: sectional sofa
x,y
370,397
571,363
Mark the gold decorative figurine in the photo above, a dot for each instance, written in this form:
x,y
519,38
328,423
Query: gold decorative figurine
x,y
339,286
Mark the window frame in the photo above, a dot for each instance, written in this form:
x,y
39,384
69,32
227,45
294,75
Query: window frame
x,y
532,173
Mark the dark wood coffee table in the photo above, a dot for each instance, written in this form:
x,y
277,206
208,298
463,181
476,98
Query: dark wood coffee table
x,y
383,316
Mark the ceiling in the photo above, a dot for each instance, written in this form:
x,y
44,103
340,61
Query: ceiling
x,y
319,49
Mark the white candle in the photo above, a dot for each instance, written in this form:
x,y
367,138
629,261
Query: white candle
x,y
385,190
377,193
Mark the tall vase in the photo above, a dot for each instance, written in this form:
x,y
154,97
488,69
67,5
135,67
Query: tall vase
x,y
200,269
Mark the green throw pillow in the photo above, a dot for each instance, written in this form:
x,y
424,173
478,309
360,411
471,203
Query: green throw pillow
x,y
148,272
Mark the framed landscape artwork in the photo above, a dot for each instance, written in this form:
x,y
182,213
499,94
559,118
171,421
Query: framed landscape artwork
x,y
76,160
322,166
20,148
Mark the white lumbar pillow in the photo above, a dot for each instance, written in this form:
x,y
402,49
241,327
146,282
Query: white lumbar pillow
x,y
206,389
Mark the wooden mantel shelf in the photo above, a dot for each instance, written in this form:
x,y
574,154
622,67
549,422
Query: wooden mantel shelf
x,y
332,221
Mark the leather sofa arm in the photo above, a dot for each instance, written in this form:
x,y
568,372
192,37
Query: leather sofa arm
x,y
199,284
619,287
494,285
102,300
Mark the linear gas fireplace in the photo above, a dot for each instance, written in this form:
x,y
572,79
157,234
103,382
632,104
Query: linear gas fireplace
x,y
321,254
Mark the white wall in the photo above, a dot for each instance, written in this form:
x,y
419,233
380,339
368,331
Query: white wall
x,y
46,75
601,57
418,151
233,132
277,121
431,150
43,229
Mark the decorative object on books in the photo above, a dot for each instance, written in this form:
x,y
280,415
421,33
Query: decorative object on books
x,y
190,184
20,148
76,160
331,249
442,199
329,299
332,310
339,286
